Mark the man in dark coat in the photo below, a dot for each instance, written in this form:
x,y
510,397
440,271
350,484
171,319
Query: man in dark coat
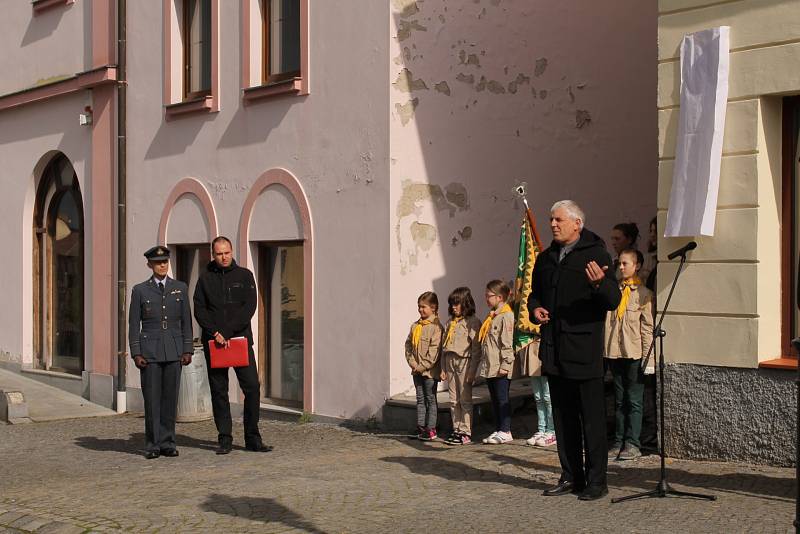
x,y
160,336
570,298
224,304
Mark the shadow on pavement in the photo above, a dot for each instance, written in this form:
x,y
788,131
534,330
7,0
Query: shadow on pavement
x,y
261,509
134,444
761,485
459,472
504,459
645,478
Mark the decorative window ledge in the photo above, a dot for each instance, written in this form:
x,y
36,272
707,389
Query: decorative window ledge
x,y
59,86
292,86
40,6
203,104
54,374
779,363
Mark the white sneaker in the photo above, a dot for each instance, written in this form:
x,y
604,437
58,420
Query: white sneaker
x,y
532,440
490,437
499,438
548,439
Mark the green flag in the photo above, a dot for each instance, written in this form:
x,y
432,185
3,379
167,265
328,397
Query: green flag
x,y
524,329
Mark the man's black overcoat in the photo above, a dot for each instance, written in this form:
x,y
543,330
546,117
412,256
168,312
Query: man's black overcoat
x,y
572,342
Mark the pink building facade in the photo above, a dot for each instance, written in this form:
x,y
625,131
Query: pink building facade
x,y
356,153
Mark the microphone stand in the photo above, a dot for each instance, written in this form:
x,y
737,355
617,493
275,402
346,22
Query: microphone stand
x,y
663,488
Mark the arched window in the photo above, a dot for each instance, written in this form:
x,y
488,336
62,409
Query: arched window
x,y
58,290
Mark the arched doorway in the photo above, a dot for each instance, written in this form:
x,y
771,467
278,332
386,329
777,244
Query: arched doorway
x,y
275,232
58,287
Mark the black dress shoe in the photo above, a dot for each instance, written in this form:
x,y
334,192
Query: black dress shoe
x,y
150,455
224,448
259,447
592,493
563,488
171,453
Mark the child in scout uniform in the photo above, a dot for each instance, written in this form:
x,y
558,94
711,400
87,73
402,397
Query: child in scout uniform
x,y
496,337
422,354
461,353
628,335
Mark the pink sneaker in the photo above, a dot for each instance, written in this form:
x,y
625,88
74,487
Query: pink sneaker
x,y
546,440
428,434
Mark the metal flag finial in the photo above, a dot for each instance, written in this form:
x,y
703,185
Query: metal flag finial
x,y
521,190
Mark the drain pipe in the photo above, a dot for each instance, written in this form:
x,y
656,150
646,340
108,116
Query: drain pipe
x,y
122,184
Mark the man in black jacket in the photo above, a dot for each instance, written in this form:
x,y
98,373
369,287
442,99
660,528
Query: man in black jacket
x,y
570,298
224,303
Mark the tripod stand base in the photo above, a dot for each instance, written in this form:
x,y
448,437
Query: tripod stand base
x,y
663,489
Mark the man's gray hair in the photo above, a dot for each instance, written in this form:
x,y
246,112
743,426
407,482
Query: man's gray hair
x,y
572,208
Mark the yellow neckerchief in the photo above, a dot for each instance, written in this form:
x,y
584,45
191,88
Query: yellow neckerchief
x,y
451,329
488,322
416,334
626,293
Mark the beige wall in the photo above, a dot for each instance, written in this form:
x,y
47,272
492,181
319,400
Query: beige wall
x,y
55,44
726,310
487,94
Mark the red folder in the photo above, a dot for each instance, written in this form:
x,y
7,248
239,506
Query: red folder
x,y
236,354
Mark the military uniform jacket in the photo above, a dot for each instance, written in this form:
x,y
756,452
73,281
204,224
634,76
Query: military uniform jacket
x,y
160,324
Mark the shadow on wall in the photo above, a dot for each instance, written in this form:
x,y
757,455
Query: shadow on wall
x,y
166,143
489,93
253,123
43,25
261,509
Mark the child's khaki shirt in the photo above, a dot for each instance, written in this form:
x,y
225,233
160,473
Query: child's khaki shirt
x,y
425,356
497,347
631,336
464,343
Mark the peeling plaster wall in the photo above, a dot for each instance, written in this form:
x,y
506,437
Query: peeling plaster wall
x,y
53,45
488,93
333,141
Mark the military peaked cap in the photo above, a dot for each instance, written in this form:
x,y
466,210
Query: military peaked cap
x,y
157,253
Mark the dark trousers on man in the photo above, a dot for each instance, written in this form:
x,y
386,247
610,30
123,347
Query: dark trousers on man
x,y
160,384
579,415
221,406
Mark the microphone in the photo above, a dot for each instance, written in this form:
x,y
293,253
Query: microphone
x,y
691,245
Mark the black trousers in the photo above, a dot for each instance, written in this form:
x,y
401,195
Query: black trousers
x,y
579,415
221,406
161,382
501,406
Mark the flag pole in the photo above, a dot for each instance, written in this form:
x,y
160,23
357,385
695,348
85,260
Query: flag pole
x,y
532,222
521,191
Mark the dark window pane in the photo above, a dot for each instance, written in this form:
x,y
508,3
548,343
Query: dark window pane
x,y
67,283
284,32
283,321
199,46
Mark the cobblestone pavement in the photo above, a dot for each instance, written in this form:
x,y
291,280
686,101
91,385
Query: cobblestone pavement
x,y
88,476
